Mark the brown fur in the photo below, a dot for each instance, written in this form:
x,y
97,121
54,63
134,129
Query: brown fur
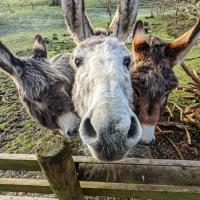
x,y
44,86
152,74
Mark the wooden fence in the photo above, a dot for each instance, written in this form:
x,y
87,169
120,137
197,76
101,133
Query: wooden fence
x,y
70,178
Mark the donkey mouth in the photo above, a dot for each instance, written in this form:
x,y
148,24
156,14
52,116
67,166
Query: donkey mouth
x,y
109,149
110,145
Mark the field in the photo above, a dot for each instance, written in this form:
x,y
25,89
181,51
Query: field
x,y
19,23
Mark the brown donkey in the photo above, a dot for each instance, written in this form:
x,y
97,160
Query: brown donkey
x,y
44,87
152,73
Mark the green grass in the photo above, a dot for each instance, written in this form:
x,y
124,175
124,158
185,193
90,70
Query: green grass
x,y
17,31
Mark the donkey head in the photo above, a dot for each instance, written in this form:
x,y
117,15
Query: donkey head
x,y
102,91
152,74
43,87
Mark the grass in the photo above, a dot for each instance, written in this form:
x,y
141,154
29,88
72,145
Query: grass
x,y
17,30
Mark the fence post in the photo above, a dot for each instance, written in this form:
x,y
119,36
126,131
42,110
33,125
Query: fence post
x,y
54,156
32,5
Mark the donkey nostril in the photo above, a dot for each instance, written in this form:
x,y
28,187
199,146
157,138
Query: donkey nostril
x,y
152,142
133,128
72,133
89,129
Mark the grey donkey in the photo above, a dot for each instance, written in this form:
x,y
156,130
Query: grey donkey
x,y
44,86
101,86
102,92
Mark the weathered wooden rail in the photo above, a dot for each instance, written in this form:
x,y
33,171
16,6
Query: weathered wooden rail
x,y
70,178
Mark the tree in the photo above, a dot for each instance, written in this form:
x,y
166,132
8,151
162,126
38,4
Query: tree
x,y
191,8
108,5
55,2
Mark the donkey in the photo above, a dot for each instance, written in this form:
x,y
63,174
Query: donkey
x,y
102,91
152,73
44,87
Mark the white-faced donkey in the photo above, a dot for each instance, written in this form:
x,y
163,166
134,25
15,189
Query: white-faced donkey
x,y
98,72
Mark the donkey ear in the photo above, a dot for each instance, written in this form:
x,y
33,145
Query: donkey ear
x,y
138,35
124,19
76,19
178,49
8,62
39,48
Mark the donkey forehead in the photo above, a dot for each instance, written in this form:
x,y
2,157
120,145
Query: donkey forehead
x,y
154,82
98,45
155,41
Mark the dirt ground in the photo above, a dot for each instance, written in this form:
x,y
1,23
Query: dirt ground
x,y
15,123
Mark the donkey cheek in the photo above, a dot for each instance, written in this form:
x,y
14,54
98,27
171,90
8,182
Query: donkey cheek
x,y
151,120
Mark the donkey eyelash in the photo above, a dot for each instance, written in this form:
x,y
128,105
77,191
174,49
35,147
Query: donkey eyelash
x,y
78,62
127,61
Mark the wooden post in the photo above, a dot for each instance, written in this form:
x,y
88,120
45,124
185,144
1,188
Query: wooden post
x,y
32,5
54,156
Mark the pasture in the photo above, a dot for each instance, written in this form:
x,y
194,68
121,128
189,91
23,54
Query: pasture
x,y
20,21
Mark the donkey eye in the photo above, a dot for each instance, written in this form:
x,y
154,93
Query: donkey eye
x,y
144,47
127,61
78,62
136,91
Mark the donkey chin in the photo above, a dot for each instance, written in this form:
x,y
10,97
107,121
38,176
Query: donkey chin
x,y
110,136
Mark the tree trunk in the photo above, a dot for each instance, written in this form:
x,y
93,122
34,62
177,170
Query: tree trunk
x,y
55,2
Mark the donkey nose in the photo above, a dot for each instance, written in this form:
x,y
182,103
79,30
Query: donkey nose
x,y
149,143
87,131
135,131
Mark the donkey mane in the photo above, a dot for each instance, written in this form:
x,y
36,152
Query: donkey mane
x,y
46,76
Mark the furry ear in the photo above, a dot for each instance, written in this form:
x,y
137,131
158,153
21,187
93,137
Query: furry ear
x,y
177,50
124,19
138,35
8,62
39,48
76,19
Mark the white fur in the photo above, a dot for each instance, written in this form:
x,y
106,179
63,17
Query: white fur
x,y
103,90
68,123
148,133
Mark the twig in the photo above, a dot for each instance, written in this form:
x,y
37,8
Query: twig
x,y
188,112
172,124
191,121
194,91
188,136
175,147
161,133
194,84
158,128
194,77
189,97
169,111
190,90
179,108
194,58
188,108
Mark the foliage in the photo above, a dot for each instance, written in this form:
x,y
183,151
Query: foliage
x,y
190,7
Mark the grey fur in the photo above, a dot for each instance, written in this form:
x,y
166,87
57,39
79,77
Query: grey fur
x,y
76,19
44,86
79,25
124,19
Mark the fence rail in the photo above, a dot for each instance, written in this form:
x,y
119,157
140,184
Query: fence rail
x,y
145,191
143,178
